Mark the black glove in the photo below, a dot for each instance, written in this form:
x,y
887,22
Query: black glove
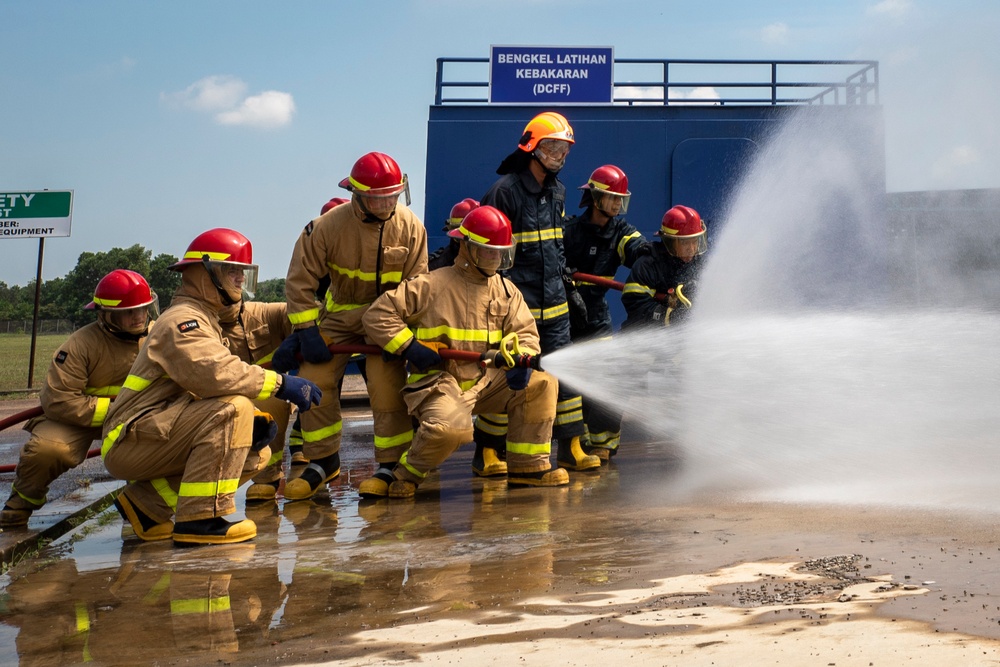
x,y
264,430
517,378
285,358
314,349
661,314
577,306
299,391
644,249
421,356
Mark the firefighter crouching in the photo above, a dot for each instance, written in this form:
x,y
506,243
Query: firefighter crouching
x,y
366,248
86,372
468,306
182,428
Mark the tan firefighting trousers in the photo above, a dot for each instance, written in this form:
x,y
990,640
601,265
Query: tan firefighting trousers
x,y
321,426
187,459
279,410
445,416
52,449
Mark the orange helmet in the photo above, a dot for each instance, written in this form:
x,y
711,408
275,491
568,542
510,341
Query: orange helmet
x,y
336,201
491,241
608,181
120,293
458,213
683,222
227,255
547,125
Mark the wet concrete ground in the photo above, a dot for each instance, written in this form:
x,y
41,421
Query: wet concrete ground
x,y
603,571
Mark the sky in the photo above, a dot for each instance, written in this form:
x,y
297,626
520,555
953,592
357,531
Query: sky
x,y
167,119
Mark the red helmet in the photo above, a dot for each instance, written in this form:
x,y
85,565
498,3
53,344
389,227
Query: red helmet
x,y
546,125
606,180
120,290
487,229
222,252
375,174
458,213
683,222
336,201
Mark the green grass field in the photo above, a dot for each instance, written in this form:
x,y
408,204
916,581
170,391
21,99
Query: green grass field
x,y
14,352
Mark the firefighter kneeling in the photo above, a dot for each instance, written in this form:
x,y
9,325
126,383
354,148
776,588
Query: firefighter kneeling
x,y
468,306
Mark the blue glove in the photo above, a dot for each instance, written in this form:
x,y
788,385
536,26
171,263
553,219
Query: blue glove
x,y
517,378
285,358
421,356
301,392
314,349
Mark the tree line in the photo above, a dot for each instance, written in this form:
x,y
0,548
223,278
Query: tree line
x,y
65,298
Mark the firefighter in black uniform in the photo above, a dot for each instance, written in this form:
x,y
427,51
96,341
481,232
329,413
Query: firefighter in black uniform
x,y
446,254
597,243
532,197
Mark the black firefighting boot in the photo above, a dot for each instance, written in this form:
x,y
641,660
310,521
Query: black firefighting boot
x,y
144,526
570,455
215,530
377,486
316,474
550,477
487,463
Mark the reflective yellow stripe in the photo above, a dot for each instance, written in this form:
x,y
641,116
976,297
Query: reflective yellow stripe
x,y
528,448
100,411
636,288
266,359
208,489
550,313
310,315
398,341
197,254
539,235
136,383
387,441
110,390
82,618
499,418
605,439
321,433
491,429
624,242
569,417
403,462
199,605
333,307
467,385
33,501
358,274
157,590
110,440
109,303
392,277
416,377
467,335
276,457
569,404
270,382
162,487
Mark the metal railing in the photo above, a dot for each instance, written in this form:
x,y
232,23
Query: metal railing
x,y
697,82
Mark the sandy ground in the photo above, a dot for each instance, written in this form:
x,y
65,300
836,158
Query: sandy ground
x,y
605,571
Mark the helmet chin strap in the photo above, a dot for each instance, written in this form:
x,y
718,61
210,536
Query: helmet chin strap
x,y
226,299
562,163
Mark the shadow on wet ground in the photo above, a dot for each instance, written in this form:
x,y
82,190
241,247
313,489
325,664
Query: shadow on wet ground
x,y
602,570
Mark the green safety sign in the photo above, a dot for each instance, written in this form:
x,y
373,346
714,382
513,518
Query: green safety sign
x,y
35,213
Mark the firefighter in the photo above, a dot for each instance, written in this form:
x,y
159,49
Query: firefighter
x,y
467,306
446,254
672,266
531,195
86,372
253,331
367,248
182,427
598,242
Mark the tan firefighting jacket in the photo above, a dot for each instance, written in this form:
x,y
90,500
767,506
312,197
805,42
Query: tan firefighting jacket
x,y
254,330
458,307
86,372
363,260
185,358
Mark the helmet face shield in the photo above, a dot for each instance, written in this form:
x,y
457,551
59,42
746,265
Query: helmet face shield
x,y
610,203
685,248
552,154
238,280
133,320
381,202
491,258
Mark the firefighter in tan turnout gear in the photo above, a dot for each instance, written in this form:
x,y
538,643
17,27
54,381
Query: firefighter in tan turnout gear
x,y
366,248
468,306
85,374
182,428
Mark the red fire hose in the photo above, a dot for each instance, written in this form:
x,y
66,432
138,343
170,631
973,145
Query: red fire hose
x,y
609,283
23,416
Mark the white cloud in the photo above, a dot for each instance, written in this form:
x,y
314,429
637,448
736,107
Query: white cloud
x,y
269,109
213,93
895,9
776,33
702,95
225,97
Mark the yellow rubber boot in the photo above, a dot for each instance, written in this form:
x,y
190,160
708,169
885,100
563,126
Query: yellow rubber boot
x,y
486,463
143,526
550,477
571,455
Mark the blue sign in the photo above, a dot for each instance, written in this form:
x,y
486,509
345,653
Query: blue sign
x,y
551,75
